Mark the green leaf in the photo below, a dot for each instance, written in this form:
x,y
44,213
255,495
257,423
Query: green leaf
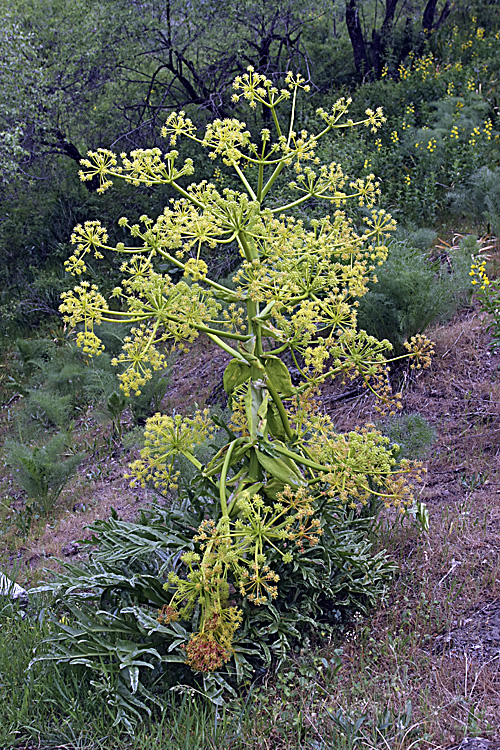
x,y
133,673
274,422
253,402
262,415
278,374
278,469
268,329
249,346
235,374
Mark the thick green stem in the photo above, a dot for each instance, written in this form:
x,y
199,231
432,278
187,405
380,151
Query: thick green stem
x,y
304,198
260,180
199,467
216,468
258,342
298,458
223,475
252,307
226,347
281,409
272,179
280,349
276,121
292,117
193,460
254,470
224,334
249,252
187,195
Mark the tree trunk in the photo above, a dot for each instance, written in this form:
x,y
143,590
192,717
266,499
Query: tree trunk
x,y
428,23
370,55
69,149
428,17
356,36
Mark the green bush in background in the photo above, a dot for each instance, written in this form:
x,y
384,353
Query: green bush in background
x,y
42,471
413,291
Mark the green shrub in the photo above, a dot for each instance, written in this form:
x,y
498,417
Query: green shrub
x,y
412,292
412,433
442,126
59,382
488,292
63,371
33,354
479,199
42,471
47,409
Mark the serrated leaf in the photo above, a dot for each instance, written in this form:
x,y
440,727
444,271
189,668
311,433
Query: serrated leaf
x,y
133,673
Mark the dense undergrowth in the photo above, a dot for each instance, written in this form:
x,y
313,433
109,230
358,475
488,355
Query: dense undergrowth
x,y
111,652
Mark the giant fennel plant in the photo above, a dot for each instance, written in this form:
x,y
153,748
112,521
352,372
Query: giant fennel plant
x,y
285,477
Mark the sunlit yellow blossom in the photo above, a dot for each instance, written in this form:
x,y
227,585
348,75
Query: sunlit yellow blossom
x,y
285,322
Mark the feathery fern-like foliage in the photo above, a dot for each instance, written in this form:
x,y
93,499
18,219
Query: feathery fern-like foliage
x,y
42,470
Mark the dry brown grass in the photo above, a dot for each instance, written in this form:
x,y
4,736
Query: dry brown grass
x,y
399,653
434,641
431,644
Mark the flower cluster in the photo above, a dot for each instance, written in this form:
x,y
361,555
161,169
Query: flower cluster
x,y
99,164
83,304
211,648
165,437
479,275
296,291
421,349
141,357
488,292
89,343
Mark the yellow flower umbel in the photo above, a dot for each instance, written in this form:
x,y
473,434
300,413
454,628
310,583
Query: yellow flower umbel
x,y
296,291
